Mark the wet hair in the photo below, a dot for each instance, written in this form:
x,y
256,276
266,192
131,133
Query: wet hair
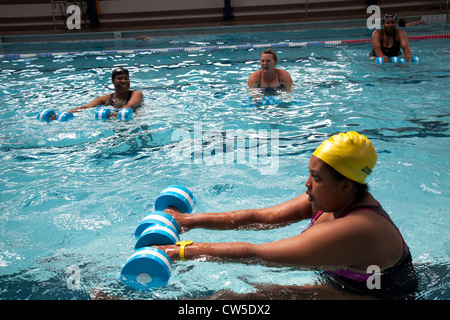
x,y
270,51
360,189
118,71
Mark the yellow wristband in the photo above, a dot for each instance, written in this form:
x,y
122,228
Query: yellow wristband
x,y
182,245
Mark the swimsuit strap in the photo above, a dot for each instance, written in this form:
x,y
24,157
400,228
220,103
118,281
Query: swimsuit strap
x,y
260,78
111,98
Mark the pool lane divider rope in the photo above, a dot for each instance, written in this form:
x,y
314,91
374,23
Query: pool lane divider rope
x,y
212,48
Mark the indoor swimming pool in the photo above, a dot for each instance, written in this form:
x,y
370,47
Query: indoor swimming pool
x,y
72,193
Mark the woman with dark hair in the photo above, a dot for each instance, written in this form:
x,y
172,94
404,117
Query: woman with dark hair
x,y
122,97
387,42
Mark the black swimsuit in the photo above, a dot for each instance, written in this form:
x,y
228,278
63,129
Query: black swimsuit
x,y
393,51
397,282
270,90
111,98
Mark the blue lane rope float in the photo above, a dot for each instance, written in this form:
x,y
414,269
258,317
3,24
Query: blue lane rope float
x,y
210,48
149,267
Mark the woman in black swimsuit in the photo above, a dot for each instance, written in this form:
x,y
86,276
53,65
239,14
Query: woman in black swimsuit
x,y
386,42
122,97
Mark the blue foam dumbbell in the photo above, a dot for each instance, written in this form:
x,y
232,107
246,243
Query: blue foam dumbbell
x,y
102,114
157,218
146,268
125,114
176,196
45,115
157,235
64,116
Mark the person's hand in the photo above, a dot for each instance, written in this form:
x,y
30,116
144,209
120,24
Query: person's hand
x,y
178,216
173,251
387,59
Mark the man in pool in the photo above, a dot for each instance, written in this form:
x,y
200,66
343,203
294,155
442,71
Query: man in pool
x,y
270,77
122,97
387,42
349,233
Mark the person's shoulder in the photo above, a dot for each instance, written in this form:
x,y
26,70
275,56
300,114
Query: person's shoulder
x,y
256,73
376,32
254,78
401,33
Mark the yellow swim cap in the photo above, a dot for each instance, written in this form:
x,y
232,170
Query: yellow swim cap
x,y
351,154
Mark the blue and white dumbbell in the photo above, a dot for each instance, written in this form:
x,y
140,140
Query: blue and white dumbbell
x,y
160,227
176,196
125,114
156,218
380,60
149,267
44,115
102,114
64,116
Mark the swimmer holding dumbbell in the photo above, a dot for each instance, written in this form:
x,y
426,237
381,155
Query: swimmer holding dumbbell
x,y
349,231
122,98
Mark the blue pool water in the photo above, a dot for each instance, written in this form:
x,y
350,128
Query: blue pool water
x,y
73,193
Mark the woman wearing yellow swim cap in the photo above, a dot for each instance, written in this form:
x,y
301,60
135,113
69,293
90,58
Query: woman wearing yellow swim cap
x,y
350,235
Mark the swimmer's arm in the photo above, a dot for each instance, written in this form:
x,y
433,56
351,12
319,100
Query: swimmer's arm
x,y
404,44
102,100
96,102
253,80
290,211
323,246
285,78
377,46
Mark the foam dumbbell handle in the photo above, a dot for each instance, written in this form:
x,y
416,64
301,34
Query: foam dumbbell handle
x,y
176,196
157,218
147,268
157,235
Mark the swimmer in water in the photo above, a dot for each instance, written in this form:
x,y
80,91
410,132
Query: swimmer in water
x,y
122,97
349,232
270,77
387,42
